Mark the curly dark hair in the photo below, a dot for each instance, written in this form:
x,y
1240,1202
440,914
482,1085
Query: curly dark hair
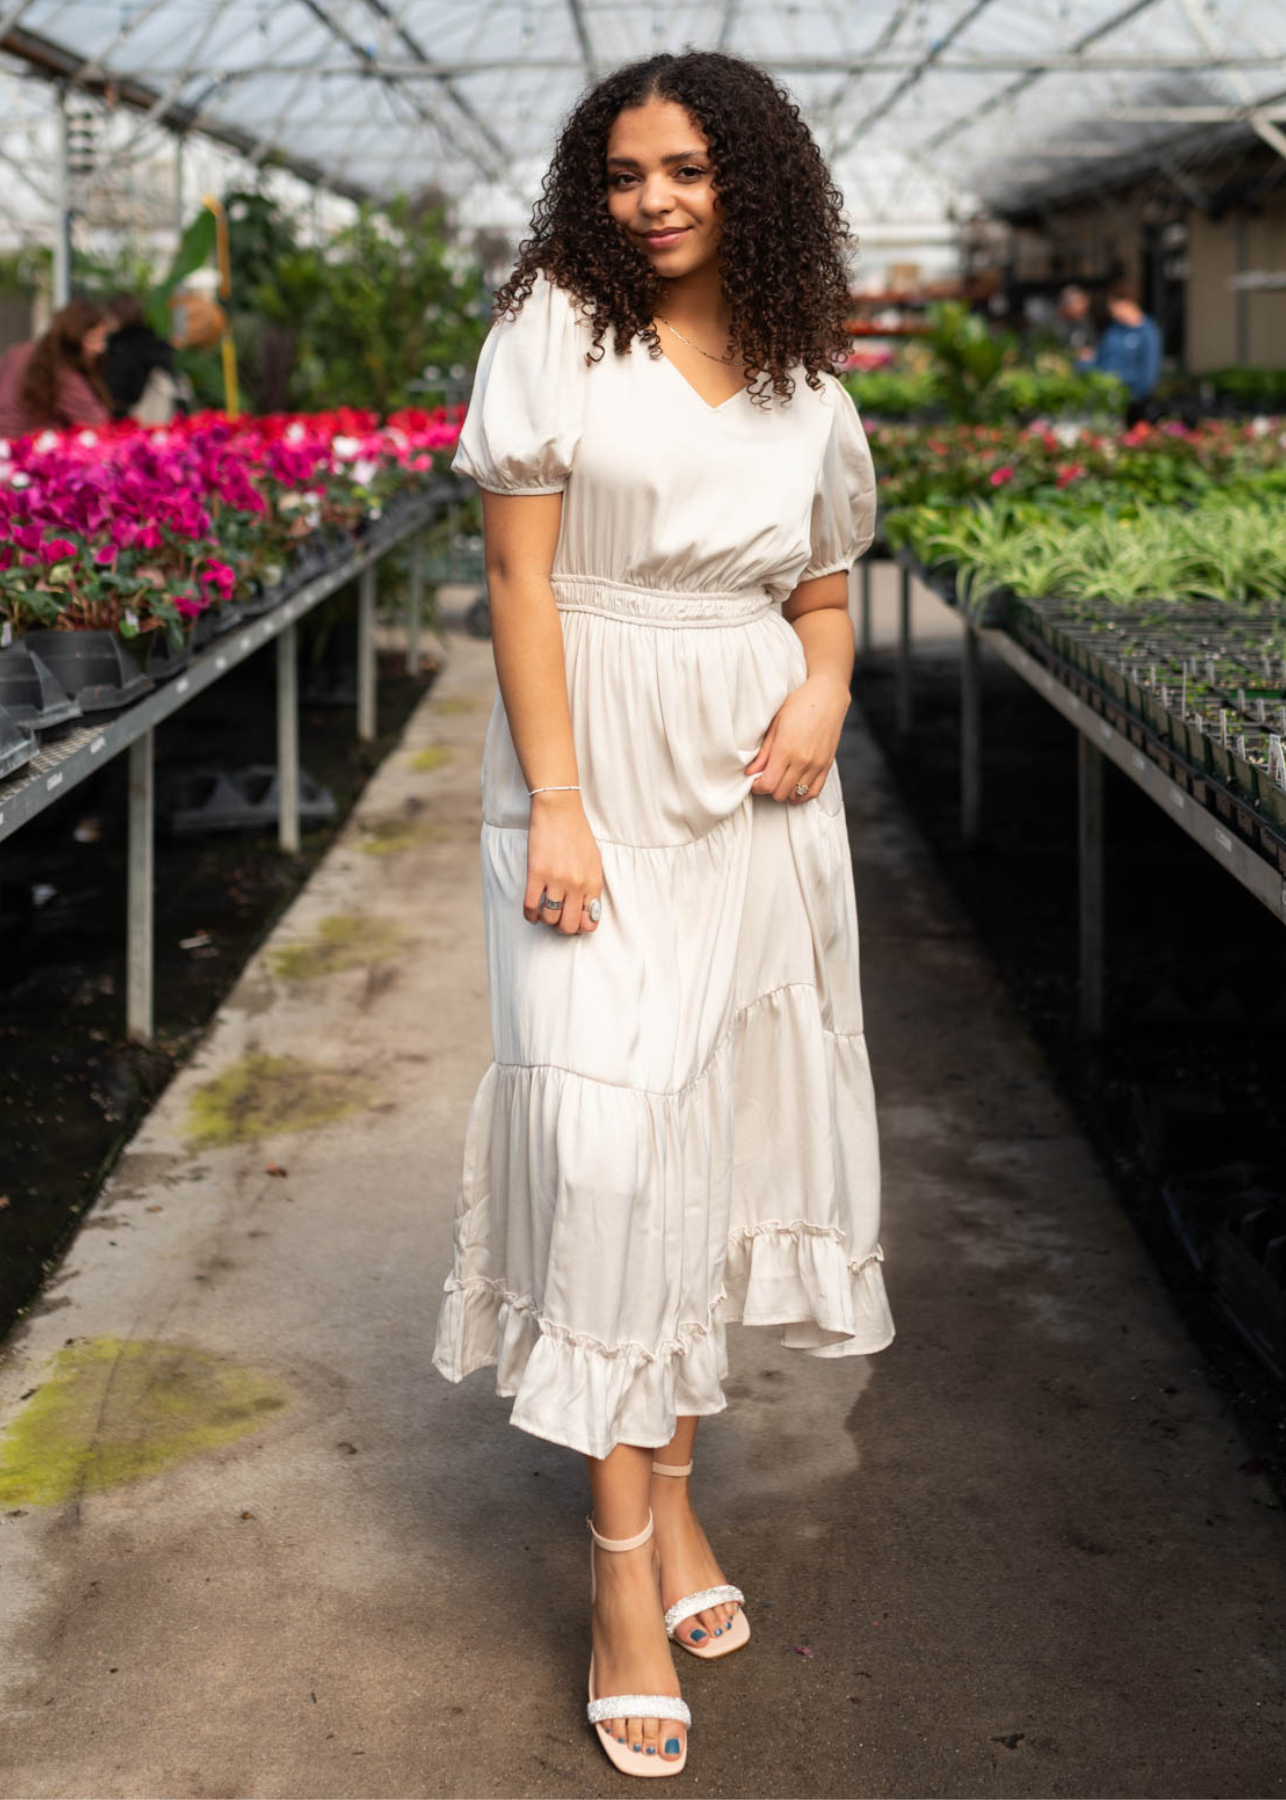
x,y
784,248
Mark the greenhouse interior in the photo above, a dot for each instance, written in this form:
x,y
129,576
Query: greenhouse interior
x,y
252,747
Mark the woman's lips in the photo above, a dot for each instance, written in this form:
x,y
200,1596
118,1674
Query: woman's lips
x,y
660,240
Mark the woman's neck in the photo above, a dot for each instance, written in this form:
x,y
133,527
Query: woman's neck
x,y
695,302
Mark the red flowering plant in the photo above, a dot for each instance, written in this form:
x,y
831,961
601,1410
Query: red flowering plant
x,y
138,530
1067,465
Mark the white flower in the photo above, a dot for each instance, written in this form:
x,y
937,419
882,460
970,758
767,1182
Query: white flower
x,y
20,480
48,440
363,472
295,434
87,438
346,446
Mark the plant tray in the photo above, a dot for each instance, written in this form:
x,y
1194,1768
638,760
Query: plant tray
x,y
31,694
94,667
18,744
192,803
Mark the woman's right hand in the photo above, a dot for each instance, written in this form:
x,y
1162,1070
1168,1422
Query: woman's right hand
x,y
563,862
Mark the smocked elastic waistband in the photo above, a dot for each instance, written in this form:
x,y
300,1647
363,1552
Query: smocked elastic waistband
x,y
659,606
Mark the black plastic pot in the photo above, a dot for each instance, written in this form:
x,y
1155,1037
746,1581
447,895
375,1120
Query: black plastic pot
x,y
96,668
31,694
18,744
157,655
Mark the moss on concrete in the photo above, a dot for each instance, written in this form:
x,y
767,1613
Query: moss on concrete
x,y
114,1410
343,941
262,1096
431,757
385,837
458,703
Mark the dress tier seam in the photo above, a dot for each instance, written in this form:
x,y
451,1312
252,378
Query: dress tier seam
x,y
677,844
627,1087
693,1328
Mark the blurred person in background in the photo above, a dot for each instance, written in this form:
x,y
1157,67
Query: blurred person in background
x,y
1130,349
138,366
54,380
1075,324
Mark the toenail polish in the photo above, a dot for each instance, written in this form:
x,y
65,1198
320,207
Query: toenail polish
x,y
671,1746
636,1746
696,1634
651,1749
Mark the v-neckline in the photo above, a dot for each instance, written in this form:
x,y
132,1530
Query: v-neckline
x,y
712,407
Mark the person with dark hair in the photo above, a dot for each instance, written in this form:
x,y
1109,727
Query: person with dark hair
x,y
54,380
1130,349
137,362
678,1127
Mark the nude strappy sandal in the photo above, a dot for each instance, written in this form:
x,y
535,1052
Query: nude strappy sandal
x,y
736,1632
632,1706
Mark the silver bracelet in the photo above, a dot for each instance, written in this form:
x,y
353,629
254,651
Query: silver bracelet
x,y
566,788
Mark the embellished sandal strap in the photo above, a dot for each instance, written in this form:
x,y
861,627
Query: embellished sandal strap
x,y
631,1543
695,1603
660,1468
639,1706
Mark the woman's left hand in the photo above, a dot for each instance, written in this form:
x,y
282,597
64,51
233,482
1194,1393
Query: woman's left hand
x,y
801,741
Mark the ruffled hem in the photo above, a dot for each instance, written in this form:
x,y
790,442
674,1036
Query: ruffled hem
x,y
573,1389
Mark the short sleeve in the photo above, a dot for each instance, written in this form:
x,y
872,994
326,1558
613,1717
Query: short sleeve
x,y
525,413
843,518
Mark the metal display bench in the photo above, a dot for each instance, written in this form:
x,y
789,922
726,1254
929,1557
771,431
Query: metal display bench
x,y
58,766
1226,826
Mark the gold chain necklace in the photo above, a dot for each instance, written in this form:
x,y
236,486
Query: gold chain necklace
x,y
696,347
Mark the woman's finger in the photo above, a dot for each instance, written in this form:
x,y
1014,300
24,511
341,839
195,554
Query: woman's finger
x,y
552,907
569,919
587,923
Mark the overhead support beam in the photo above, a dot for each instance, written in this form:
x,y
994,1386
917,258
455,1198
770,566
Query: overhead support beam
x,y
53,62
914,76
580,26
1039,67
1260,120
382,68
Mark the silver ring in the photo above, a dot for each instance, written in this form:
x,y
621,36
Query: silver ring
x,y
801,788
553,905
595,910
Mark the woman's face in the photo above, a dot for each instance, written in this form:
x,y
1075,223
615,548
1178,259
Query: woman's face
x,y
660,186
94,341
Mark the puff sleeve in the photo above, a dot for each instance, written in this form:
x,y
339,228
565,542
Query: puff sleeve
x,y
525,413
843,518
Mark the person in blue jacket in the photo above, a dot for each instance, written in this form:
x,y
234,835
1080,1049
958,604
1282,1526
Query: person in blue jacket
x,y
1130,348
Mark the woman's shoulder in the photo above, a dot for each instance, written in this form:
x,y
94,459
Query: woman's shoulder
x,y
550,303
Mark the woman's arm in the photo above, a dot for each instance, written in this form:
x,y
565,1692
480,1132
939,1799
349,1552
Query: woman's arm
x,y
77,400
801,741
520,534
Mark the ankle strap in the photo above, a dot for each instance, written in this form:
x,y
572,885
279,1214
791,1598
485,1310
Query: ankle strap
x,y
631,1543
660,1468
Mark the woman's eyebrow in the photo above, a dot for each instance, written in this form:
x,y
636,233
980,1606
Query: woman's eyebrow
x,y
628,162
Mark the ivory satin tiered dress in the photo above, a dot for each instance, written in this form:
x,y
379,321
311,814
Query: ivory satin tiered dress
x,y
678,1128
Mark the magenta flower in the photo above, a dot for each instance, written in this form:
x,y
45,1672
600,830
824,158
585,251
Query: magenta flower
x,y
57,550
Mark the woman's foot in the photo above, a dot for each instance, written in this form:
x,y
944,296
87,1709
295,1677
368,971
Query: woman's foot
x,y
631,1651
688,1563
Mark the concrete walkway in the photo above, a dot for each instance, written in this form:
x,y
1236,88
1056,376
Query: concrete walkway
x,y
1018,1544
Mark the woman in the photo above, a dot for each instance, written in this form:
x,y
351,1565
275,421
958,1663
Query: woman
x,y
53,381
678,1129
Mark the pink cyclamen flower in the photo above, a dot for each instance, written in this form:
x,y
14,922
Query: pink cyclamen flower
x,y
57,550
220,576
1000,476
105,555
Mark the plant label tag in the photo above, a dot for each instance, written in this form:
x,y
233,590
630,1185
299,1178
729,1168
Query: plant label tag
x,y
131,618
6,634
